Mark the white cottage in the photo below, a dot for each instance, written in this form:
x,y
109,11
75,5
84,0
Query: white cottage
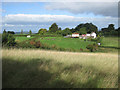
x,y
28,36
75,35
93,34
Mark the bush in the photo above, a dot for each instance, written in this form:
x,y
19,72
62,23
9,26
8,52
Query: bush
x,y
81,49
53,46
25,45
93,47
38,44
97,40
90,47
8,40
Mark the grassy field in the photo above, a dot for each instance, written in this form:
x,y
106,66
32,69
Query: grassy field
x,y
20,39
74,43
110,41
69,43
41,68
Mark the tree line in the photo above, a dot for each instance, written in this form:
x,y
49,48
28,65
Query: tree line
x,y
81,29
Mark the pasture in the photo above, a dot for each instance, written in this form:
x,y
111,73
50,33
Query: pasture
x,y
110,41
108,44
67,43
20,39
31,68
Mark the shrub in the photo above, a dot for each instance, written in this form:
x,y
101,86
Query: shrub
x,y
38,44
8,39
53,46
25,45
32,42
93,47
90,47
81,49
97,40
89,39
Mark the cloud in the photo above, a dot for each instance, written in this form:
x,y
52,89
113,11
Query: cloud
x,y
36,19
2,10
97,8
60,0
45,21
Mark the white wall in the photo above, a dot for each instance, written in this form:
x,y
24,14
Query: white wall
x,y
75,35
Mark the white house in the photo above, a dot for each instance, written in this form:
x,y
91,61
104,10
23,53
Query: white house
x,y
85,36
88,35
28,36
93,34
75,35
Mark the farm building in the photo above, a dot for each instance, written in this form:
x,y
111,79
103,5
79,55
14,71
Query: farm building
x,y
75,35
85,36
28,36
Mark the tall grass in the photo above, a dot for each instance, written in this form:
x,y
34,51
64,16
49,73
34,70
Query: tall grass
x,y
41,68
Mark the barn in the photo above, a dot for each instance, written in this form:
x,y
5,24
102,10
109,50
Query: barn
x,y
75,35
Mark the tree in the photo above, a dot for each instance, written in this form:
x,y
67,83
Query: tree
x,y
4,31
42,31
111,27
53,28
109,31
59,28
72,30
22,31
89,27
30,32
83,30
11,32
66,31
8,39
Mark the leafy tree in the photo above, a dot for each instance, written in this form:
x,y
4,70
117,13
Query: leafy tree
x,y
4,31
22,31
59,32
53,28
11,32
66,31
83,30
109,31
89,27
8,39
42,31
72,30
111,27
59,28
30,32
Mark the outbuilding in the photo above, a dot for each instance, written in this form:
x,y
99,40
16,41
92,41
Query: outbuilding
x,y
93,34
75,35
28,36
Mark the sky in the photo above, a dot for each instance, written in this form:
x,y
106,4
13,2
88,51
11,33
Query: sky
x,y
36,15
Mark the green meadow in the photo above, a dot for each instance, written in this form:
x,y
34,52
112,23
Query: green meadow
x,y
110,41
69,43
20,39
73,43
